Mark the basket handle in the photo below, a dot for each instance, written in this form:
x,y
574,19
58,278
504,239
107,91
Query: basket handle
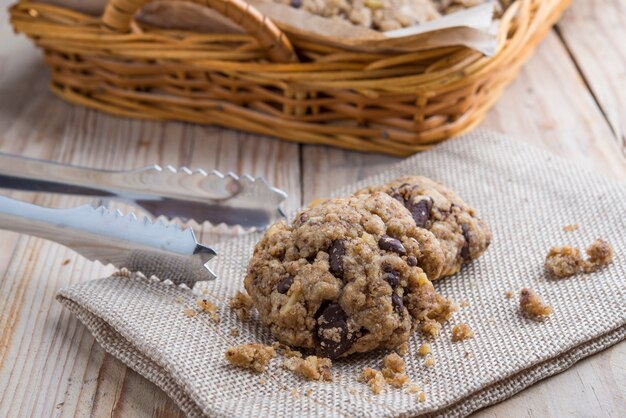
x,y
118,15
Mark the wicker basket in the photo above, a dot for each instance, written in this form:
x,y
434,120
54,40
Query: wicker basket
x,y
266,83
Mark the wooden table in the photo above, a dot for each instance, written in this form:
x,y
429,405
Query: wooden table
x,y
570,99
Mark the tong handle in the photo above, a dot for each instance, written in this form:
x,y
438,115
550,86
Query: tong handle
x,y
23,173
26,218
139,245
146,183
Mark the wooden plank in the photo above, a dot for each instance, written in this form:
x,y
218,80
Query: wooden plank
x,y
548,106
50,365
594,34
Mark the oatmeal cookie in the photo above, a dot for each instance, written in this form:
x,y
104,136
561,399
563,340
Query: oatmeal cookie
x,y
376,14
434,207
349,275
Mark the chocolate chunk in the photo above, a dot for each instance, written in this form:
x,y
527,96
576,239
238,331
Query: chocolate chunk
x,y
396,195
420,211
411,261
391,244
285,284
296,3
332,331
303,217
387,268
397,303
336,253
465,251
392,277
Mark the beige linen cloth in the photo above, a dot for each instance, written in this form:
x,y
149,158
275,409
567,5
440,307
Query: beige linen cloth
x,y
526,195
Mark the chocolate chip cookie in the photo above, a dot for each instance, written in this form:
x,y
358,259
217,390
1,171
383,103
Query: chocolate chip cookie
x,y
434,207
348,275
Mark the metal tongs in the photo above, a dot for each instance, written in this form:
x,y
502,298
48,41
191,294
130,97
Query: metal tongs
x,y
153,248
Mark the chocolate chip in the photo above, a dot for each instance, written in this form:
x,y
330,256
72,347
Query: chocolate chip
x,y
465,251
336,253
296,3
285,284
411,261
420,211
392,277
397,303
391,244
396,195
332,331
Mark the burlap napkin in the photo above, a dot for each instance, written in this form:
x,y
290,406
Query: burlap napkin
x,y
526,195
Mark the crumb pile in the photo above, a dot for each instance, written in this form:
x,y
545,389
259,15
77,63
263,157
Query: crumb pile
x,y
311,367
567,261
250,356
392,374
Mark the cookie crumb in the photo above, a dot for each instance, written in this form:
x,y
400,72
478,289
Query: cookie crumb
x,y
179,299
429,361
66,262
189,313
285,350
392,374
262,381
563,261
532,306
462,332
571,227
431,328
424,350
374,379
599,254
412,388
394,363
206,306
421,396
294,392
351,391
464,304
250,356
467,354
308,392
403,349
393,371
509,294
234,332
241,303
311,368
567,261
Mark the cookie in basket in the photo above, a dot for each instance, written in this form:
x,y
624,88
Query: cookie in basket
x,y
383,15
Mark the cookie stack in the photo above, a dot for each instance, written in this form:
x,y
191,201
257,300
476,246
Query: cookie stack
x,y
354,274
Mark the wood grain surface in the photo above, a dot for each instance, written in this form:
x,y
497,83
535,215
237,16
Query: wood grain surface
x,y
570,99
